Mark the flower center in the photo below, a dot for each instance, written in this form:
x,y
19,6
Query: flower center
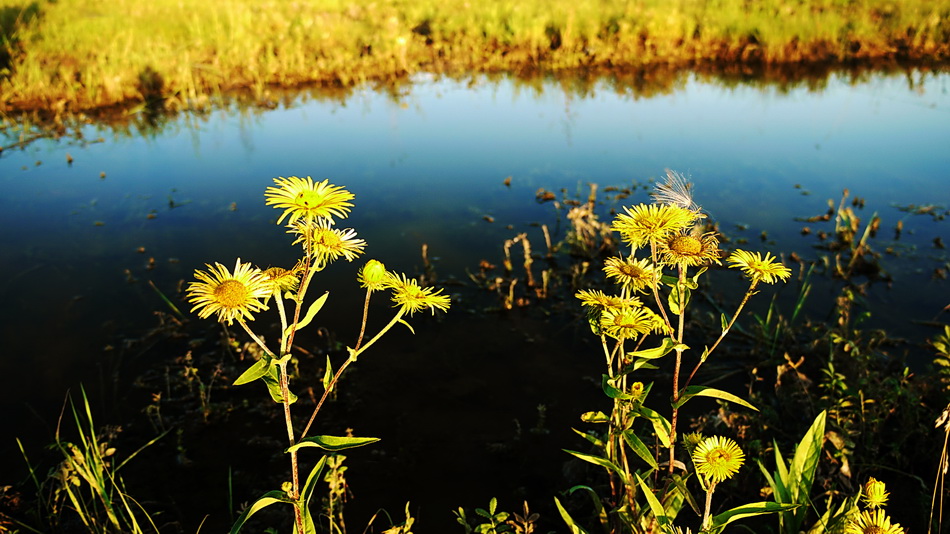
x,y
686,245
309,199
874,529
231,294
630,271
717,457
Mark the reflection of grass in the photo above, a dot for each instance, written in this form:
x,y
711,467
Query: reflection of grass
x,y
81,53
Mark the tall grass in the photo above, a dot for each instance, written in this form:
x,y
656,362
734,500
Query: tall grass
x,y
86,53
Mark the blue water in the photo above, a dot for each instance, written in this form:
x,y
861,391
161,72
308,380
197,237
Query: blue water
x,y
427,165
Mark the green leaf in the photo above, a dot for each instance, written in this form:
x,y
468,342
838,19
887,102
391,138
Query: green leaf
x,y
259,369
595,417
801,472
266,500
658,352
273,387
332,443
661,426
639,447
307,494
575,528
680,483
599,510
311,313
749,510
724,321
603,462
674,299
594,440
328,375
611,390
642,364
704,391
658,512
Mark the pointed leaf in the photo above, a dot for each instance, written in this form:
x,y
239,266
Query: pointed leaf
x,y
657,352
611,390
254,372
328,375
750,510
724,322
306,495
704,391
661,426
802,469
311,313
658,512
640,448
594,440
575,528
273,387
680,483
603,462
595,417
266,500
332,443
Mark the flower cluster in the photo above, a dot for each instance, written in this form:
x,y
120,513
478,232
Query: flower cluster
x,y
310,209
873,520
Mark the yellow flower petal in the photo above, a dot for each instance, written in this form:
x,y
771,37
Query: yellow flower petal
x,y
233,296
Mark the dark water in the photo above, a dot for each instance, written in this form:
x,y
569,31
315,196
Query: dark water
x,y
427,163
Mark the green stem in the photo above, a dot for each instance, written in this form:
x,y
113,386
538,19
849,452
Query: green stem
x,y
283,321
353,355
707,515
259,341
725,331
681,284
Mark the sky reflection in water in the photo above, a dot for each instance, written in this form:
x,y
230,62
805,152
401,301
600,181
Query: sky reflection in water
x,y
425,168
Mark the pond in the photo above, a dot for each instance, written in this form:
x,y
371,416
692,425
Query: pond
x,y
90,225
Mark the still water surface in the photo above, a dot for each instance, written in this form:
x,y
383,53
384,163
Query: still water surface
x,y
82,239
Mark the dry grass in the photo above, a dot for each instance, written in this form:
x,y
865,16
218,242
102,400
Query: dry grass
x,y
80,54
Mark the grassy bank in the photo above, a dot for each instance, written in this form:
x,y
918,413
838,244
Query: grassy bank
x,y
79,54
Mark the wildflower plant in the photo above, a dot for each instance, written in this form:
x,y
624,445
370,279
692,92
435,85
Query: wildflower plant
x,y
311,210
641,324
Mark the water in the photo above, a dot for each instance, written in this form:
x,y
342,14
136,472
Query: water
x,y
427,163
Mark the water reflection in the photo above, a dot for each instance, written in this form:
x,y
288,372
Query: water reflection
x,y
87,223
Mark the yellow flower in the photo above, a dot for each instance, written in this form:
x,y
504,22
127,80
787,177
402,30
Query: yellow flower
x,y
326,244
635,275
688,249
717,458
232,296
281,279
308,200
374,277
410,298
875,493
628,322
652,222
757,268
872,522
598,301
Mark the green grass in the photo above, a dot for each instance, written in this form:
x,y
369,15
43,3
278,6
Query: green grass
x,y
79,54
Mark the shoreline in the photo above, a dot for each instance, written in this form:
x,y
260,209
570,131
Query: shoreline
x,y
78,56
